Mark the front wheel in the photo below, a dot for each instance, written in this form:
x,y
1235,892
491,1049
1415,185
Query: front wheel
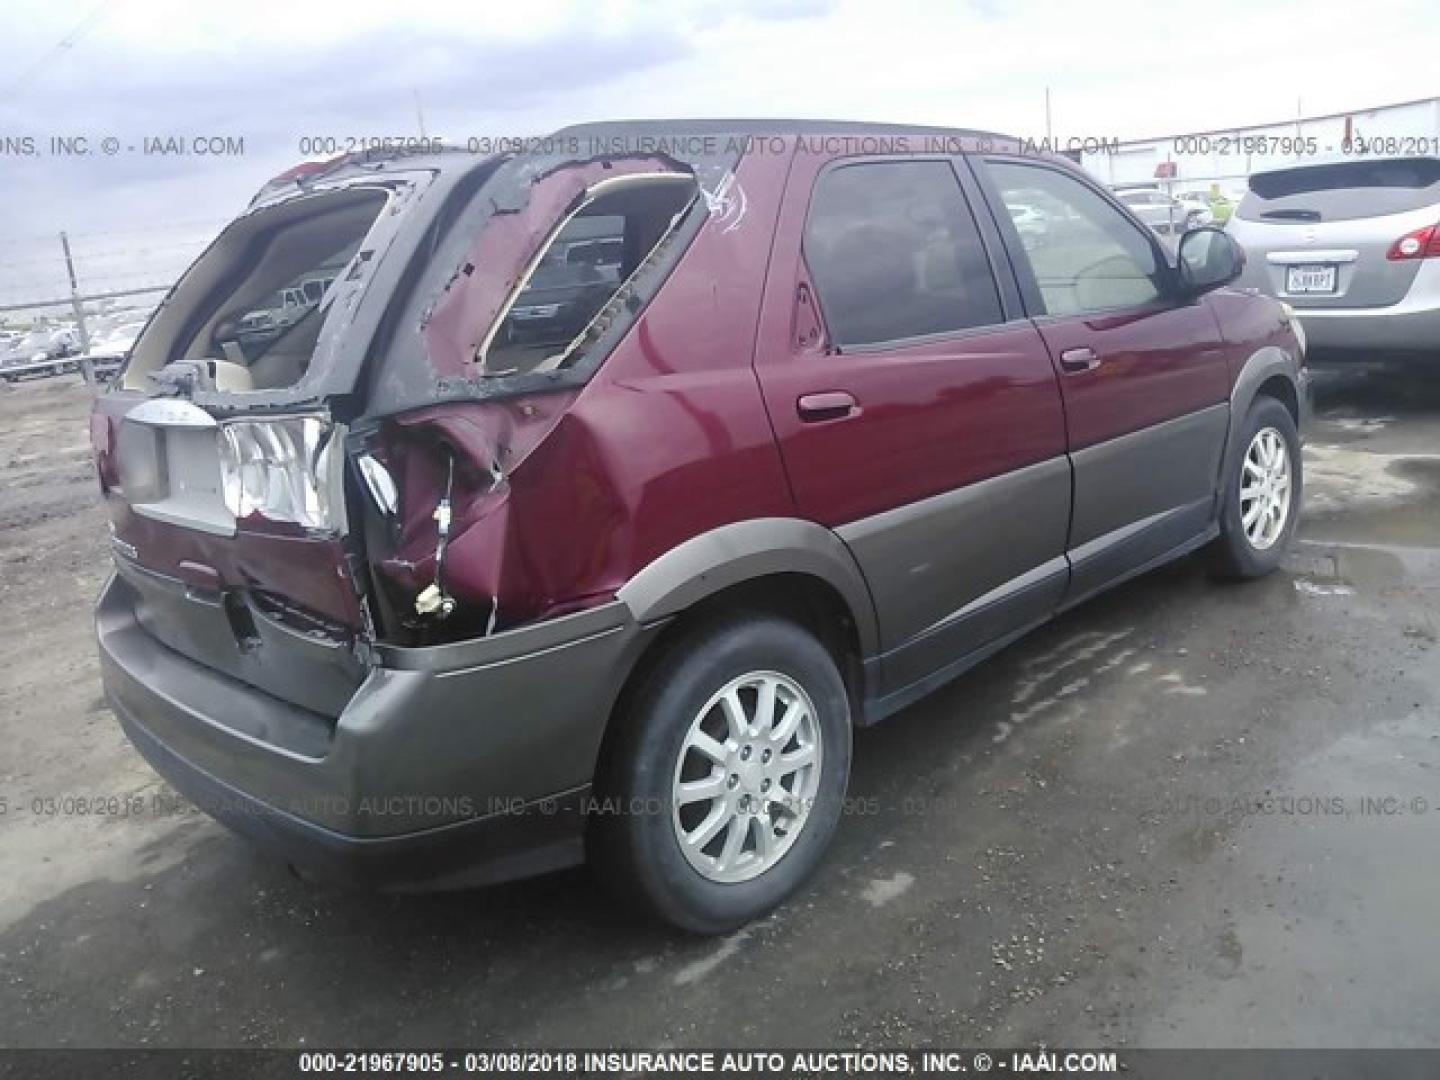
x,y
1260,497
725,783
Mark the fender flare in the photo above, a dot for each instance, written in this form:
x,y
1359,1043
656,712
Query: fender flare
x,y
1263,364
742,551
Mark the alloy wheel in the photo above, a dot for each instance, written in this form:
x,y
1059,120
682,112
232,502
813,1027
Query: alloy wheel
x,y
746,776
1265,489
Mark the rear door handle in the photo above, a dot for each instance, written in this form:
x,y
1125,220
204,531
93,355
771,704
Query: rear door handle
x,y
829,405
1081,359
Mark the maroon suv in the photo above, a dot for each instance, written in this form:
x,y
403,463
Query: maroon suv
x,y
473,514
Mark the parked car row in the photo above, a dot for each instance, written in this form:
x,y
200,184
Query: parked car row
x,y
106,355
40,353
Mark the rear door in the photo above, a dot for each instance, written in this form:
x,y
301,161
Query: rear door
x,y
1321,236
916,408
1143,374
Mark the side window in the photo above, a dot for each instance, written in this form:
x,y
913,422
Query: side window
x,y
895,253
559,306
1088,257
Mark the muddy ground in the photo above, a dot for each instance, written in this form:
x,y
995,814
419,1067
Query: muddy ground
x,y
1146,825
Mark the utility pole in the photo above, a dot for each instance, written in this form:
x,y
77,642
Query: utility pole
x,y
1049,135
78,308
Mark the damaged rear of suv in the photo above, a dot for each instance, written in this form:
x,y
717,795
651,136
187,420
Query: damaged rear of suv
x,y
368,539
476,516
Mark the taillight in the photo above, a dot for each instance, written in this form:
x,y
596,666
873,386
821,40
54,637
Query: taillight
x,y
279,469
1423,243
100,448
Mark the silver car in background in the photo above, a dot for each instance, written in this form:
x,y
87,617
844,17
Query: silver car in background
x,y
1352,246
1197,208
1162,213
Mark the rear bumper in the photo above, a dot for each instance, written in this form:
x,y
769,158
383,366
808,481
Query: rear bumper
x,y
1402,327
536,838
1412,325
451,766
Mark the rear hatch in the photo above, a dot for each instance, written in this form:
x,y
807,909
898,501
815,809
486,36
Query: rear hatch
x,y
355,363
220,447
1326,235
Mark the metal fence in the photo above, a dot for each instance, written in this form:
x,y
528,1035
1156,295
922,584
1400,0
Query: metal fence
x,y
75,272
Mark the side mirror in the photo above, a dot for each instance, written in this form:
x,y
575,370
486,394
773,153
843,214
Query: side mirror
x,y
1207,259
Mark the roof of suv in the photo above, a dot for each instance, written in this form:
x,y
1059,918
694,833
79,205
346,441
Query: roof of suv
x,y
741,126
612,134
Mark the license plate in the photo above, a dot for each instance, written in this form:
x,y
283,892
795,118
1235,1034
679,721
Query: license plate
x,y
1310,279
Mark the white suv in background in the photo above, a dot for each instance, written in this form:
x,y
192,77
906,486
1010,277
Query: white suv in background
x,y
1353,246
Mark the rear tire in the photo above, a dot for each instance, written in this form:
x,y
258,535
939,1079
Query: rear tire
x,y
1260,495
699,821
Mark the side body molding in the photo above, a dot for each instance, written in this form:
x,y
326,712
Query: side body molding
x,y
742,551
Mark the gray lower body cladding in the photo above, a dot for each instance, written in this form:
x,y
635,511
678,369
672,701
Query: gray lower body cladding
x,y
924,560
453,766
1017,548
1143,494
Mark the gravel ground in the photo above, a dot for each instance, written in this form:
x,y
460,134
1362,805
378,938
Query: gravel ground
x,y
1145,825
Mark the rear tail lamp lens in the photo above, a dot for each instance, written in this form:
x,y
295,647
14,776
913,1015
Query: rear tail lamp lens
x,y
1423,243
278,469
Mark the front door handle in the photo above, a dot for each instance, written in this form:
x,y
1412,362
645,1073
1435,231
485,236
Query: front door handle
x,y
829,405
1082,359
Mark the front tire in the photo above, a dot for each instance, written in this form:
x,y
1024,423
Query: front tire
x,y
1261,494
725,783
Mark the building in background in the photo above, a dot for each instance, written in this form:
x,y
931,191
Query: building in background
x,y
1225,158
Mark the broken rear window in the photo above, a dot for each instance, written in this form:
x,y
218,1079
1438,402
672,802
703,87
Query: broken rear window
x,y
252,307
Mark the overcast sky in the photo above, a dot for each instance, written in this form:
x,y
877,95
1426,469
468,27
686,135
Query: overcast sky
x,y
275,72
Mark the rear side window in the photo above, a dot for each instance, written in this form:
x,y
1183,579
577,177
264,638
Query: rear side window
x,y
1342,191
1085,254
562,301
575,277
895,253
